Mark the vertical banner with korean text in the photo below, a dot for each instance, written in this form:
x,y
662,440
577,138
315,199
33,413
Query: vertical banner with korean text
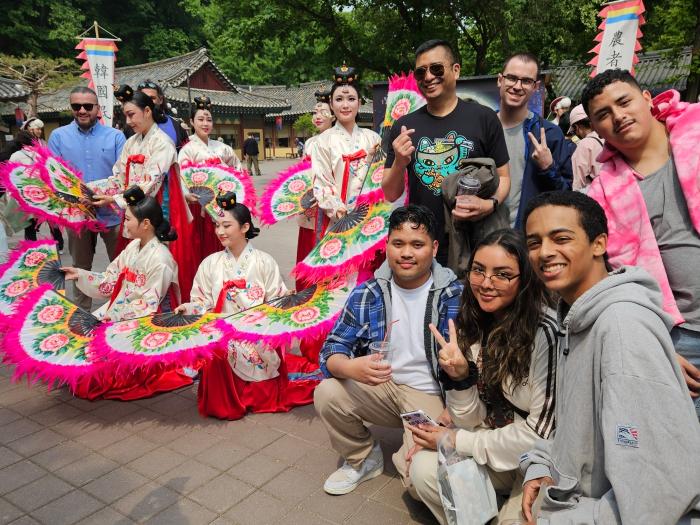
x,y
618,41
99,55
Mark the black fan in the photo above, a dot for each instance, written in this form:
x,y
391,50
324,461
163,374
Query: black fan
x,y
51,273
205,195
307,200
168,320
290,301
83,323
351,220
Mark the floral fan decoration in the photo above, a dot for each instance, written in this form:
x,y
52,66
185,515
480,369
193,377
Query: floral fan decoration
x,y
30,265
48,338
347,243
307,314
207,180
50,190
289,194
169,339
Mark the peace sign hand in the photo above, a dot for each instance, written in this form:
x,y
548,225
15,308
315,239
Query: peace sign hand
x,y
541,154
450,357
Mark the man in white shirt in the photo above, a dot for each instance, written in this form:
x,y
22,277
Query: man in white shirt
x,y
408,292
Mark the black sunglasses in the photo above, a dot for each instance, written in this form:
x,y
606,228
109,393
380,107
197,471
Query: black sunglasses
x,y
147,85
88,107
437,70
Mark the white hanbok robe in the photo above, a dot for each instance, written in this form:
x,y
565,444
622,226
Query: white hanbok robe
x,y
328,166
197,151
147,275
159,156
258,280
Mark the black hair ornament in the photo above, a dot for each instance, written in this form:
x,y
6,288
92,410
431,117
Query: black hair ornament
x,y
123,93
344,75
134,195
202,103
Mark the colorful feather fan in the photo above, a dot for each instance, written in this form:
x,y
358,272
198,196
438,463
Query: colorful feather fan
x,y
289,194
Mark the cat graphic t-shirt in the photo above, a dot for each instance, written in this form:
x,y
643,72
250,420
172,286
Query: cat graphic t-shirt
x,y
470,131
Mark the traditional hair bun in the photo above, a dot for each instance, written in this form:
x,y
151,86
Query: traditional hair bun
x,y
134,195
165,233
323,96
123,93
202,103
252,232
344,75
227,201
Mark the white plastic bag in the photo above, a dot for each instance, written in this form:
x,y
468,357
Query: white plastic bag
x,y
465,488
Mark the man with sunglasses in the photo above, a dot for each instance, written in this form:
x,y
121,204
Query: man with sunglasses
x,y
433,142
93,149
539,159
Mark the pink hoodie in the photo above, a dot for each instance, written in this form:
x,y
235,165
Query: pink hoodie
x,y
631,239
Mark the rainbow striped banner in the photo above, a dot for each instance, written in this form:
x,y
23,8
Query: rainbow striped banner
x,y
99,56
618,40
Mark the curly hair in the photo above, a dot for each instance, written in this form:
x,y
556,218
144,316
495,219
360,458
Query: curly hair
x,y
506,344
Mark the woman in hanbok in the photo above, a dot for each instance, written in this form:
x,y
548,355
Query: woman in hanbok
x,y
243,376
341,155
147,159
202,150
141,280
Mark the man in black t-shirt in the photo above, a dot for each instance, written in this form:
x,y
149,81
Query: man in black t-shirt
x,y
431,141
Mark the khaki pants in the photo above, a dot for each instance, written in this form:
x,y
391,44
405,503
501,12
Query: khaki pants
x,y
345,405
82,248
252,160
423,472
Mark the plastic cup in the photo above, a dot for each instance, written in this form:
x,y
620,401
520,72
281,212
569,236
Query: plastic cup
x,y
382,349
468,185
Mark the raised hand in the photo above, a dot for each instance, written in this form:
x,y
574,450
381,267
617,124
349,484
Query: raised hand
x,y
541,153
403,146
450,357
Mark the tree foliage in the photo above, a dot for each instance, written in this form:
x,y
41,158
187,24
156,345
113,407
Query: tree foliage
x,y
291,41
304,126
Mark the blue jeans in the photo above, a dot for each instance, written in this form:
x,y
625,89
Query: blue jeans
x,y
687,344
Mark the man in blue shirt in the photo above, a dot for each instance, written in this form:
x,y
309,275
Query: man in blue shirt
x,y
93,149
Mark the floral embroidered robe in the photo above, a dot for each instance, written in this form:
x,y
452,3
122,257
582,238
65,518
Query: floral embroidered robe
x,y
229,285
198,152
137,283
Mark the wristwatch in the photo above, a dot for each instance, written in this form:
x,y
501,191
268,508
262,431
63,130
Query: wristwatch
x,y
495,202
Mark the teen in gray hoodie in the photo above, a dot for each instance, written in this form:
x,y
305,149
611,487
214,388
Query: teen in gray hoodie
x,y
627,442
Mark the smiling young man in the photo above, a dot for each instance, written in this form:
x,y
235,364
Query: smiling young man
x,y
409,291
648,187
434,140
627,439
539,159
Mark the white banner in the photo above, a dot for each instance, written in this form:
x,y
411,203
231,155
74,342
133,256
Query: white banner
x,y
618,45
100,55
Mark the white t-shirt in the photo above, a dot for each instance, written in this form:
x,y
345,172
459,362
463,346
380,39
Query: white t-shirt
x,y
409,366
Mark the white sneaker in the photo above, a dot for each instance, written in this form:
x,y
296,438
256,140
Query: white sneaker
x,y
346,478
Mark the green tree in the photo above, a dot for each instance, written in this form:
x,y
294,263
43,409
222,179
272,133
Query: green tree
x,y
304,126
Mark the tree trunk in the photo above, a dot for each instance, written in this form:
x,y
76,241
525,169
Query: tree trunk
x,y
33,101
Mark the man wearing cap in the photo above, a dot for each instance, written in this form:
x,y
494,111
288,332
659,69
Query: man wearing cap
x,y
539,158
559,107
93,149
584,160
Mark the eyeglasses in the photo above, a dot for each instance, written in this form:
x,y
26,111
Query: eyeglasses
x,y
88,107
437,70
147,85
500,279
512,80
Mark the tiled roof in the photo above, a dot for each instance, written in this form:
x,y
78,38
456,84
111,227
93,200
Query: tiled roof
x,y
301,98
170,71
230,99
656,71
12,90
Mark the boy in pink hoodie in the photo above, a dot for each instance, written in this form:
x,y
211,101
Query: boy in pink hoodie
x,y
649,187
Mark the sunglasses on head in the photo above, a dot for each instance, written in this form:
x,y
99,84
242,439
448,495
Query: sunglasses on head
x,y
437,70
147,85
88,107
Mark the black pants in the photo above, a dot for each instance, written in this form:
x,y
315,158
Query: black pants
x,y
30,233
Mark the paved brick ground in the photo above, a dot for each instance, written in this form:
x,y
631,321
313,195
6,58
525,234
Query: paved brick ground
x,y
65,460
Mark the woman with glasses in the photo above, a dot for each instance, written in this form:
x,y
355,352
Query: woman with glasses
x,y
341,155
498,369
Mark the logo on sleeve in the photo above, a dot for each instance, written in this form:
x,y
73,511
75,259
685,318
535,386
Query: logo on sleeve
x,y
627,436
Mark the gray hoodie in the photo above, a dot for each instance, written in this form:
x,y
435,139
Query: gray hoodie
x,y
627,444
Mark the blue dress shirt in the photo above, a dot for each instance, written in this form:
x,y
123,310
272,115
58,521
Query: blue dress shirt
x,y
93,152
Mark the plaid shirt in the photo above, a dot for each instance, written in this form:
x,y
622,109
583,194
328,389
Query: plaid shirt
x,y
363,319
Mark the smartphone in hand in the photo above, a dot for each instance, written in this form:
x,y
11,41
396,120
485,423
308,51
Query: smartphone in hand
x,y
418,417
